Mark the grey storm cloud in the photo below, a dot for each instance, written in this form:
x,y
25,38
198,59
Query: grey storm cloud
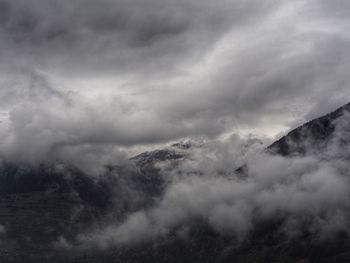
x,y
108,37
82,75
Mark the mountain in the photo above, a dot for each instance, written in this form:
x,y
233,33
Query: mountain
x,y
312,136
43,208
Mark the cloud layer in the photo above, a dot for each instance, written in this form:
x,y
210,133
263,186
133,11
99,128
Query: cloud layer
x,y
112,74
302,194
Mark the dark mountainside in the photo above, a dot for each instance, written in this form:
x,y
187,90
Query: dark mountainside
x,y
41,205
312,136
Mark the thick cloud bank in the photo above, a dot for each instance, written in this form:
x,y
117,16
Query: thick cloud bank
x,y
301,194
84,78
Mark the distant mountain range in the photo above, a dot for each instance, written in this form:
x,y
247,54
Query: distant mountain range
x,y
41,205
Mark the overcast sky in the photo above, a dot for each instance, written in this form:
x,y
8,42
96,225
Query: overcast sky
x,y
90,76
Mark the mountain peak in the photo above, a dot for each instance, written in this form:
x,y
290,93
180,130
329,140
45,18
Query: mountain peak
x,y
311,136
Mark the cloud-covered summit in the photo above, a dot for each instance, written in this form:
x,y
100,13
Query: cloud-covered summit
x,y
301,194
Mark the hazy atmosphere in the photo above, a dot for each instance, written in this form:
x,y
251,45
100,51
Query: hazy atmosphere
x,y
151,126
94,76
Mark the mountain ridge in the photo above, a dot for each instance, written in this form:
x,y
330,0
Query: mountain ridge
x,y
86,198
